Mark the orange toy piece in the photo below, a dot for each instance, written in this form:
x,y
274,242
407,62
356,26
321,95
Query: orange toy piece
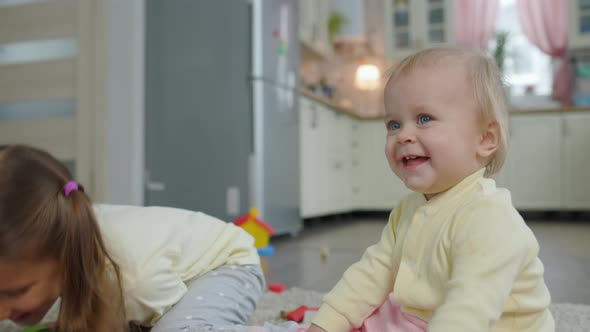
x,y
277,287
298,314
260,230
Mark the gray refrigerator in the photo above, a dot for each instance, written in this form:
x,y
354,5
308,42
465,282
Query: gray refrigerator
x,y
221,108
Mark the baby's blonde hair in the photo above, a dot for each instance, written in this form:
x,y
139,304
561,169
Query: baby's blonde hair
x,y
488,89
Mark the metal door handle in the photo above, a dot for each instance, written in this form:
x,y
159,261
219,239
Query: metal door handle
x,y
314,116
155,186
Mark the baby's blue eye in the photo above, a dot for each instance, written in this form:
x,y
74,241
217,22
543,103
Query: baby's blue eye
x,y
394,125
422,119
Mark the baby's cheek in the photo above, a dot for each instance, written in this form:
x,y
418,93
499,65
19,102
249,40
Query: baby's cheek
x,y
390,150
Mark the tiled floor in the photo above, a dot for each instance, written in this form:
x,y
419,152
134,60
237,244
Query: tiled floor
x,y
565,251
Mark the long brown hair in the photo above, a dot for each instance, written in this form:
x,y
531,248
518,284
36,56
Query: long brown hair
x,y
36,215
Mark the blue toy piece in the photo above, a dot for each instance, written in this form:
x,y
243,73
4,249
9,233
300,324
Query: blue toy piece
x,y
269,250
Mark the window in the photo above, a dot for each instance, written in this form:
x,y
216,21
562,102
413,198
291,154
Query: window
x,y
527,70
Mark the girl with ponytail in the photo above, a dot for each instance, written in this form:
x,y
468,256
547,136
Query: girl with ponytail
x,y
114,265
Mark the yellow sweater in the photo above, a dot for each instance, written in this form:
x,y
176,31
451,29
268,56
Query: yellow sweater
x,y
463,261
159,249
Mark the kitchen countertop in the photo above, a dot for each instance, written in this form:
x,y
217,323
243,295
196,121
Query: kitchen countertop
x,y
337,106
569,109
350,111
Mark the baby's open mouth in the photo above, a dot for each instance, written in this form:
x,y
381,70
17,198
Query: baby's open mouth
x,y
410,161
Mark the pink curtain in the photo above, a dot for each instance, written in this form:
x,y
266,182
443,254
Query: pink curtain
x,y
475,21
544,22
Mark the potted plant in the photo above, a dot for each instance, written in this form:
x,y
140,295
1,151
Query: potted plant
x,y
500,49
335,23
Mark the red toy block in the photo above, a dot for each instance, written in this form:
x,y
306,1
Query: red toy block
x,y
276,287
298,314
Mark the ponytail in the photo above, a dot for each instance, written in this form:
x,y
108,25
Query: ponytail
x,y
45,214
91,301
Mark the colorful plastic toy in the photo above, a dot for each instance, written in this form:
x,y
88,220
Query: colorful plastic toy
x,y
277,287
260,230
298,314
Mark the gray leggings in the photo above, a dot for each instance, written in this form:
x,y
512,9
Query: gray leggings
x,y
216,301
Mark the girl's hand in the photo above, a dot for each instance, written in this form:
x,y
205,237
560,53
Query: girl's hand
x,y
315,328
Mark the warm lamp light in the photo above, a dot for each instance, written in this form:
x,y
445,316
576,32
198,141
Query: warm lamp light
x,y
367,77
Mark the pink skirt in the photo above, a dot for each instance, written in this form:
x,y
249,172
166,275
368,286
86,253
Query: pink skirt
x,y
389,317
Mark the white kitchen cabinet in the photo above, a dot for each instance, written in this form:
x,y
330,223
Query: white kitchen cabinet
x,y
534,161
309,150
307,16
343,164
313,25
412,25
375,186
576,159
548,159
339,162
579,24
325,160
344,168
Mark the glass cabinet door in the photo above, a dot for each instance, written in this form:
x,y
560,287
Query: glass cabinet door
x,y
436,22
583,17
401,20
413,25
579,24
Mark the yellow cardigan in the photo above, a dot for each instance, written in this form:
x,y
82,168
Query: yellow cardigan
x,y
463,261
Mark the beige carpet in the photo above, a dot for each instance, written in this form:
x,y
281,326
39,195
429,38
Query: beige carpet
x,y
568,317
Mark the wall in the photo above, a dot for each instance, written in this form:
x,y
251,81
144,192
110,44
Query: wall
x,y
120,163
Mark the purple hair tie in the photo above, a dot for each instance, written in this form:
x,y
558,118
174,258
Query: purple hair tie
x,y
70,187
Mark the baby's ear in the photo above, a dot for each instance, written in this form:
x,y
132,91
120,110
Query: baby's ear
x,y
489,141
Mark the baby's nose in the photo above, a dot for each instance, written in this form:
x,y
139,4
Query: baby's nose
x,y
406,135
